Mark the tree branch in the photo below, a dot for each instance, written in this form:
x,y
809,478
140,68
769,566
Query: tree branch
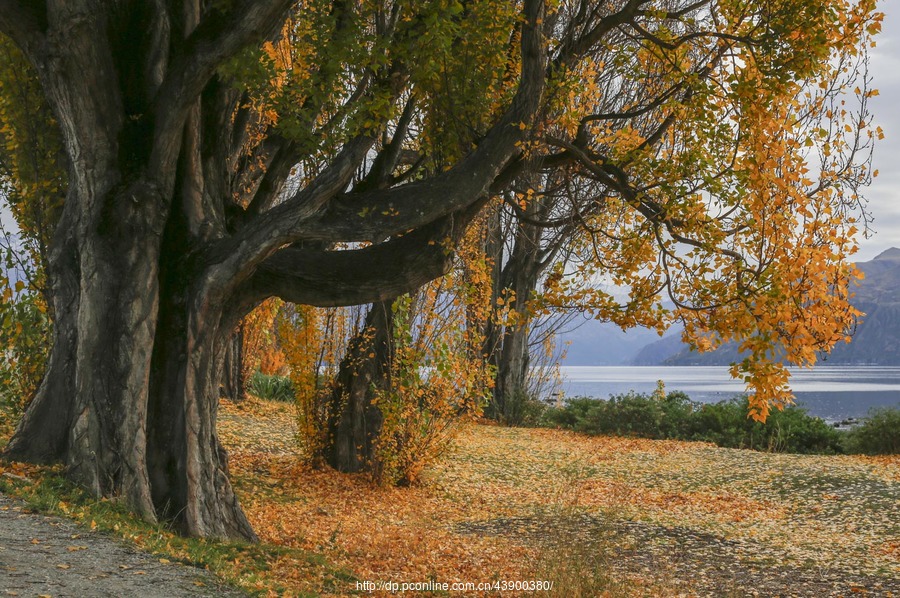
x,y
374,273
381,214
23,23
217,38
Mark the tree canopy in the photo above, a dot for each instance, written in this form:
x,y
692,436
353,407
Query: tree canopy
x,y
705,152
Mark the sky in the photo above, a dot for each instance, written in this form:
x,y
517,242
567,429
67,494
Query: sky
x,y
884,193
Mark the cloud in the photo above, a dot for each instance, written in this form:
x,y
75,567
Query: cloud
x,y
884,194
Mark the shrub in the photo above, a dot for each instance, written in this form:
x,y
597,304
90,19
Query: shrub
x,y
25,336
271,388
631,414
791,430
676,417
431,390
879,434
568,416
520,408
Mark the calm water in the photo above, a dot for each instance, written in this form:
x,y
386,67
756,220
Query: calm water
x,y
830,392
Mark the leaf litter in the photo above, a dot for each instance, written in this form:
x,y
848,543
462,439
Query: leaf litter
x,y
668,517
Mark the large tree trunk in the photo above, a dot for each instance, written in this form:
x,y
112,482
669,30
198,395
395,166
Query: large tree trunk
x,y
43,432
187,463
355,422
172,230
154,365
91,406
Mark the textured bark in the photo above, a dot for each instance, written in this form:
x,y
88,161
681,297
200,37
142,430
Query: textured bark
x,y
232,377
355,422
43,434
508,346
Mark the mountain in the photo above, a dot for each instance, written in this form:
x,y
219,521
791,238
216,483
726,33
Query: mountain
x,y
876,340
659,351
602,343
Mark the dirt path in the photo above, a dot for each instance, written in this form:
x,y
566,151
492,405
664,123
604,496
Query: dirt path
x,y
49,556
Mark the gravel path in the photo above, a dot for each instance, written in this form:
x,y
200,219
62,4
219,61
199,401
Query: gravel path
x,y
49,556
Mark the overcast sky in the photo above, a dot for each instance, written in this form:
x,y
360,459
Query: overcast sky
x,y
884,194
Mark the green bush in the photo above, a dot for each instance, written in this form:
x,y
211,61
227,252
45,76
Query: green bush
x,y
631,414
568,416
879,434
791,430
519,408
271,388
677,417
638,415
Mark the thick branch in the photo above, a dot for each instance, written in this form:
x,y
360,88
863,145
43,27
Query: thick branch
x,y
216,38
378,215
374,273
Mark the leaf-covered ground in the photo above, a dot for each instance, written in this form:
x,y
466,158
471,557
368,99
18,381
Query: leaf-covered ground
x,y
592,514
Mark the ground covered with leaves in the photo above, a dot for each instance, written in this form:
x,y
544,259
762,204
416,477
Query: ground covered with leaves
x,y
594,515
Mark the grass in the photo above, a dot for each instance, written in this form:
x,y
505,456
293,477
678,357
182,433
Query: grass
x,y
597,516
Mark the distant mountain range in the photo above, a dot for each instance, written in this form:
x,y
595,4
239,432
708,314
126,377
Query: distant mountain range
x,y
876,340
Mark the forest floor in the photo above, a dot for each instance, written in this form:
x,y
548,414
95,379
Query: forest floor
x,y
593,515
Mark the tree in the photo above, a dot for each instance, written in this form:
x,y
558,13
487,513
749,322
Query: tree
x,y
409,375
524,244
212,148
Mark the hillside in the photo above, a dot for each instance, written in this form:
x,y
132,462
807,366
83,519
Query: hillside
x,y
602,343
876,340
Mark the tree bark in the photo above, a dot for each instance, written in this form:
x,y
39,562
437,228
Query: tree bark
x,y
42,435
355,422
508,346
232,368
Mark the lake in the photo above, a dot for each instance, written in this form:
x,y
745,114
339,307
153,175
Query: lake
x,y
830,392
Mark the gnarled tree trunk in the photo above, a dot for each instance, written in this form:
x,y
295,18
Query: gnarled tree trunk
x,y
233,381
355,421
172,231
